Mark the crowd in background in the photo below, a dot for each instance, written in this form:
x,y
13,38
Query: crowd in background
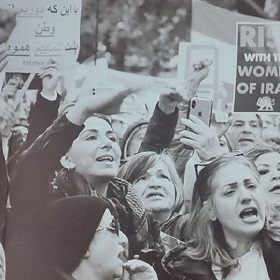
x,y
173,198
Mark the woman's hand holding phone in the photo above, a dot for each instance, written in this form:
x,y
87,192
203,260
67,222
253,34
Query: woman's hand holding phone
x,y
200,137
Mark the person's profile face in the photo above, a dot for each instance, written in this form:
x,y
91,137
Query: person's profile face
x,y
135,141
106,251
239,201
268,166
244,131
155,188
96,151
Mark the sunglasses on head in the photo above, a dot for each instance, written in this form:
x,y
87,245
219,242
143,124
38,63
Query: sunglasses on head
x,y
208,161
112,227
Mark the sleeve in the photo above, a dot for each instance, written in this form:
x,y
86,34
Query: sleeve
x,y
41,116
4,185
180,154
160,131
36,165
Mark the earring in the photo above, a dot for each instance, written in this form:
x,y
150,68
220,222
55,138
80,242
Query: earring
x,y
67,163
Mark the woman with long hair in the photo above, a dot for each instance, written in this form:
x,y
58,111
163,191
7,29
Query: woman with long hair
x,y
267,159
231,235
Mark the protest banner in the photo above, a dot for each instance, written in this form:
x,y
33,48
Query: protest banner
x,y
257,87
208,30
44,30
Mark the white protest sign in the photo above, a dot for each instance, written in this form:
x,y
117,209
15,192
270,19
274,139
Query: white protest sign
x,y
106,80
45,30
192,54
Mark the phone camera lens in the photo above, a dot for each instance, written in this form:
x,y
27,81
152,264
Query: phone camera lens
x,y
193,103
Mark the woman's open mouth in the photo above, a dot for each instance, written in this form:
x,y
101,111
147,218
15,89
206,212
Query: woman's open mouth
x,y
275,189
249,215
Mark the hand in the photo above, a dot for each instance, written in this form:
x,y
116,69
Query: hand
x,y
139,270
201,138
50,76
199,73
220,122
169,99
107,104
10,89
7,116
7,24
7,111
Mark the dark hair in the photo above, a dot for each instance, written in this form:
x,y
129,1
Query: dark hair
x,y
103,117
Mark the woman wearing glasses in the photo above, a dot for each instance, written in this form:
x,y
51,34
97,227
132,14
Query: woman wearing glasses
x,y
69,242
231,235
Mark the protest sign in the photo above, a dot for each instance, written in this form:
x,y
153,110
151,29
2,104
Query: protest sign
x,y
191,55
257,87
44,30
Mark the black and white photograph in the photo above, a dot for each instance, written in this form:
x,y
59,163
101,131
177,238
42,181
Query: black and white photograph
x,y
140,140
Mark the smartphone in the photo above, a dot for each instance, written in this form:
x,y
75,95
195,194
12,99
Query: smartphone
x,y
200,108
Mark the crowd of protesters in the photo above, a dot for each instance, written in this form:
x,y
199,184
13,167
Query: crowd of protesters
x,y
193,201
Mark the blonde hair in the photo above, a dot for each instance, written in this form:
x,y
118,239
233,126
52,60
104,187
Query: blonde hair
x,y
138,164
205,236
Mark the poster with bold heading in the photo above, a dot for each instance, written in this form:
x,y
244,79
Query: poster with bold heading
x,y
257,87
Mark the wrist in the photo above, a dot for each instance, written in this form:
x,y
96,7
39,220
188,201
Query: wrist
x,y
166,109
50,95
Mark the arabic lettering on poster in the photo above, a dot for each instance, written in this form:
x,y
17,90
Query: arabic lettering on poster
x,y
31,12
43,30
19,51
38,12
64,10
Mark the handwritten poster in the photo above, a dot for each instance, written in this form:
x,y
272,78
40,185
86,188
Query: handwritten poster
x,y
257,87
44,30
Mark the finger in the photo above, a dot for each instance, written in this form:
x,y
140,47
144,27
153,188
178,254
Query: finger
x,y
3,53
12,82
3,64
197,127
188,134
50,72
189,142
53,61
49,66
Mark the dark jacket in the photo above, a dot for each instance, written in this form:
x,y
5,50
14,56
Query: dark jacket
x,y
31,190
176,226
160,131
182,267
4,185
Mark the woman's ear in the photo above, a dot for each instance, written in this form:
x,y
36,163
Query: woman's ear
x,y
212,215
67,163
86,255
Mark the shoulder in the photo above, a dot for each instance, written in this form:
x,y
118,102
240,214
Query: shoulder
x,y
177,262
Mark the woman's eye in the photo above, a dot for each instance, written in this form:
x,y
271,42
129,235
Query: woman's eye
x,y
113,138
229,193
91,137
141,178
263,171
164,177
252,186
